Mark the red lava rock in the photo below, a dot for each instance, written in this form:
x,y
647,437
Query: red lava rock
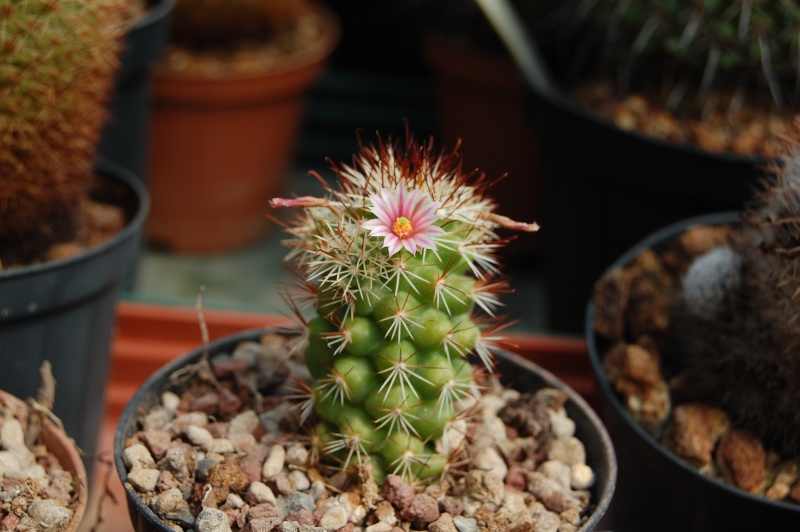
x,y
156,441
516,478
60,488
264,517
398,492
9,522
166,480
451,505
611,304
302,517
694,431
207,402
741,460
423,510
282,485
252,463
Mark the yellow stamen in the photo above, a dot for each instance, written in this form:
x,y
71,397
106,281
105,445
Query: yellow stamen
x,y
403,227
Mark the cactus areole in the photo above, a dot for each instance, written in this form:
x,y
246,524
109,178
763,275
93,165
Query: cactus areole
x,y
398,262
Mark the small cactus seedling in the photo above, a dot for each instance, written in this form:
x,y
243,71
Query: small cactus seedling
x,y
58,60
743,347
744,45
395,261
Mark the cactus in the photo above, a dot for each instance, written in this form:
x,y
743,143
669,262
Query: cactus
x,y
749,45
57,69
396,261
745,355
227,24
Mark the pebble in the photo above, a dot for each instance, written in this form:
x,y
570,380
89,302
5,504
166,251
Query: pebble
x,y
567,450
166,501
47,515
465,524
380,527
243,442
274,463
170,401
558,471
234,501
582,477
295,502
189,419
137,455
334,518
296,455
301,482
183,517
202,467
489,459
443,524
199,436
143,478
212,520
221,446
258,493
560,425
291,526
245,423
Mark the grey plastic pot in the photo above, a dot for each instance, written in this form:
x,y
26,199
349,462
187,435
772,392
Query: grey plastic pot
x,y
657,491
515,372
63,311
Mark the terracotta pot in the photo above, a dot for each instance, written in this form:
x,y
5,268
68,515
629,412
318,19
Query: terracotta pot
x,y
63,448
221,148
515,372
481,99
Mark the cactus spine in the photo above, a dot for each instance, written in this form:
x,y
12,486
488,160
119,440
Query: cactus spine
x,y
396,262
746,355
57,67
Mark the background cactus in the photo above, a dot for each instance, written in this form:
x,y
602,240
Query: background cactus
x,y
744,47
745,356
396,261
56,72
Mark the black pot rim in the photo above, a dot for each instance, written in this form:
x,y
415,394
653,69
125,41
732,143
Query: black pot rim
x,y
569,105
132,408
111,170
660,236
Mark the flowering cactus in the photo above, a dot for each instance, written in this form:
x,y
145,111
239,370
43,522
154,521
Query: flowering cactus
x,y
396,262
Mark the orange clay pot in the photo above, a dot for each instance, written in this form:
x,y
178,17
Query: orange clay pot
x,y
221,148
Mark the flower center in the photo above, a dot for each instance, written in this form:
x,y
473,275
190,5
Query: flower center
x,y
402,227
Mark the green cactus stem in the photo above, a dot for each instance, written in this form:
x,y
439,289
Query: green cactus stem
x,y
396,264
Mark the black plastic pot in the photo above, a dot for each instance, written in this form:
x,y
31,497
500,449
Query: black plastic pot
x,y
605,188
657,490
124,137
63,311
516,372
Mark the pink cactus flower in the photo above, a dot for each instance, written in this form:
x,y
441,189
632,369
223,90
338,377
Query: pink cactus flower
x,y
405,220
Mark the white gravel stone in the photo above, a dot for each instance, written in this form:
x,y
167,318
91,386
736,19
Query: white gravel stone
x,y
45,514
221,446
379,527
258,493
489,459
297,455
189,419
170,401
568,450
212,520
317,490
144,479
243,443
245,423
10,466
582,476
301,482
138,455
166,500
157,418
274,463
561,426
234,501
334,518
465,524
199,436
558,471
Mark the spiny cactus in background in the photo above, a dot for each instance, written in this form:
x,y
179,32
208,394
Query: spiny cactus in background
x,y
57,68
745,45
396,261
745,355
227,24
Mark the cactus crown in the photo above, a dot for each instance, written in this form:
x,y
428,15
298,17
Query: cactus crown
x,y
227,24
396,261
749,45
